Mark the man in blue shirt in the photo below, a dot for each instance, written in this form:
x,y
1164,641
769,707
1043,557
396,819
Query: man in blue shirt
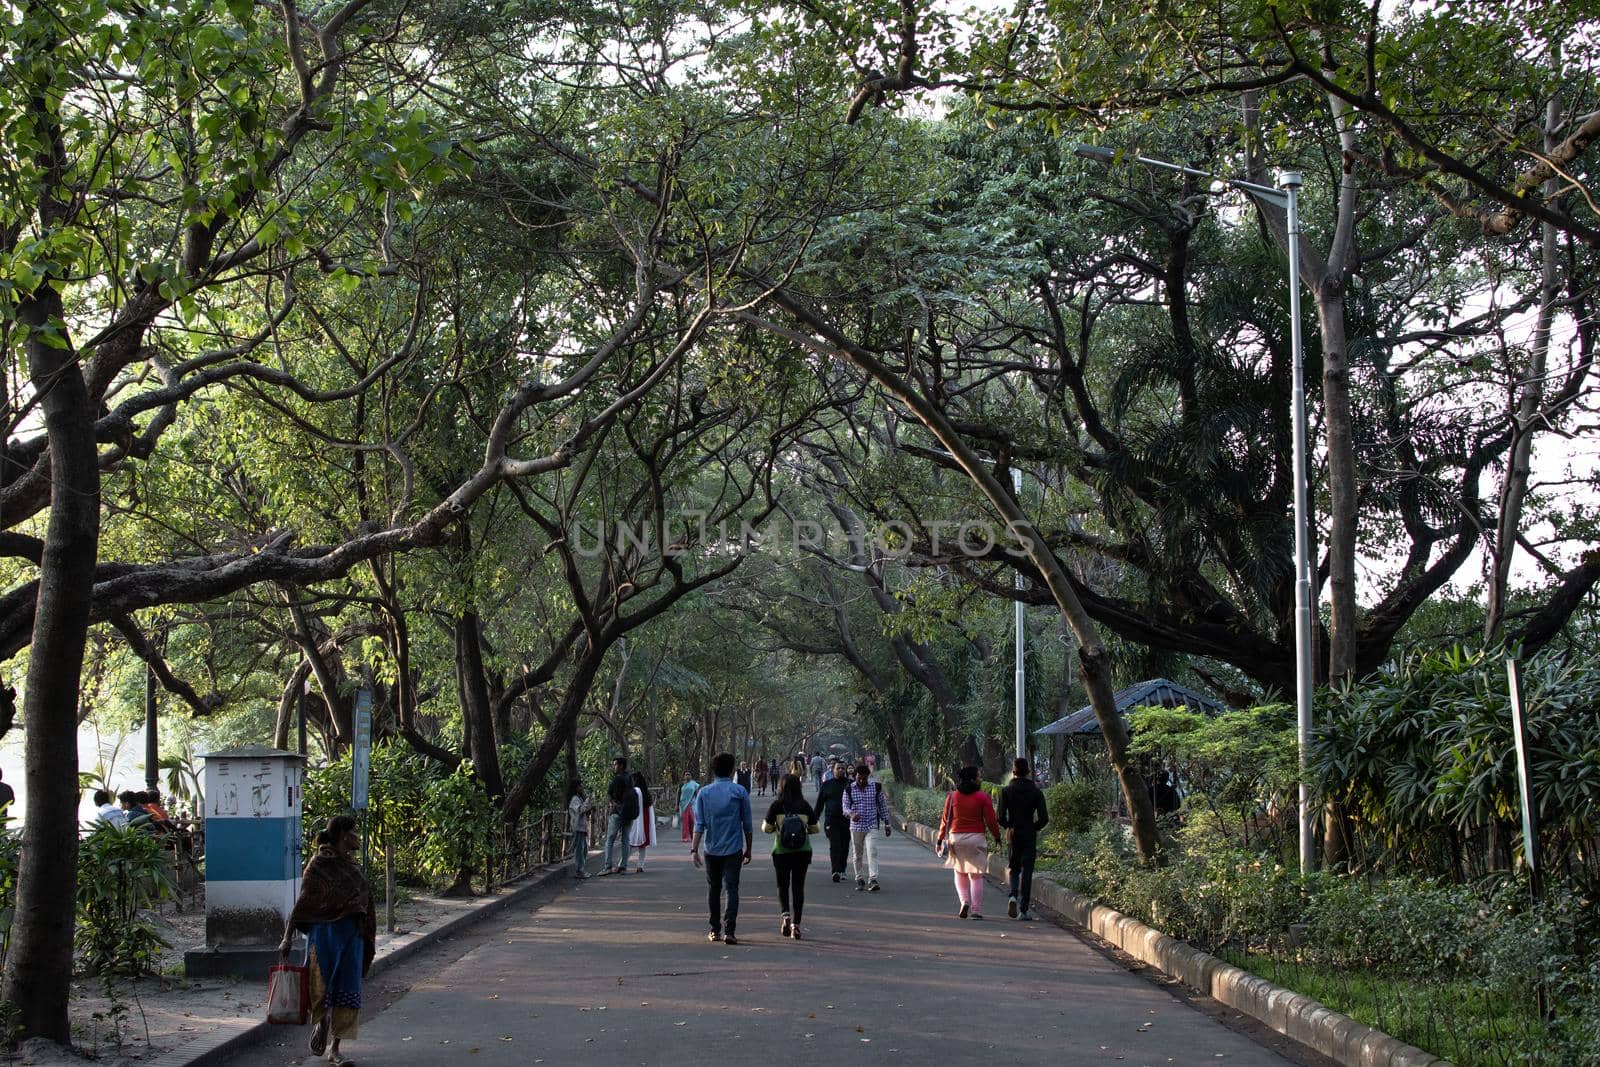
x,y
723,825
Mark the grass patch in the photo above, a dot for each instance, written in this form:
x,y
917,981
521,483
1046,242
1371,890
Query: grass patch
x,y
1459,1020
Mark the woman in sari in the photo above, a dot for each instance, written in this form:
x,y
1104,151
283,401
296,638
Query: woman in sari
x,y
335,913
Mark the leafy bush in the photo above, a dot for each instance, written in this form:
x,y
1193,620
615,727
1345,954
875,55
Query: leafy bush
x,y
1074,806
461,822
121,872
1422,759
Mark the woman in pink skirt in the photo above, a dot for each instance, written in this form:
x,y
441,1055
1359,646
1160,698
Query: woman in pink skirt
x,y
964,827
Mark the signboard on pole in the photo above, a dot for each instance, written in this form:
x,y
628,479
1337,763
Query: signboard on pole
x,y
361,754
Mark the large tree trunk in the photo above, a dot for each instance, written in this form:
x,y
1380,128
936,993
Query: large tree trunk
x,y
1343,487
476,707
38,977
1514,488
585,670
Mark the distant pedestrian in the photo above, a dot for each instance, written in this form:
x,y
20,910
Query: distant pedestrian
x,y
761,777
968,815
624,808
791,822
722,825
867,807
743,777
106,810
643,832
1022,815
872,762
334,911
819,767
835,823
686,793
579,808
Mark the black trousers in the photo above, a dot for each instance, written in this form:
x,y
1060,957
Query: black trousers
x,y
791,868
1020,860
722,873
838,844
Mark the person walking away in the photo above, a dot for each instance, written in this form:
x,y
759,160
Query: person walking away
x,y
867,807
835,823
686,793
722,826
624,808
761,776
1022,815
106,809
968,816
643,832
334,911
743,777
791,822
579,808
819,767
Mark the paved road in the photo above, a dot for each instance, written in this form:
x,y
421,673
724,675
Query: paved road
x,y
617,971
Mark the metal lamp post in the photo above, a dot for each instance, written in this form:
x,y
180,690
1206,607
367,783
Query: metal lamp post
x,y
1021,680
1286,196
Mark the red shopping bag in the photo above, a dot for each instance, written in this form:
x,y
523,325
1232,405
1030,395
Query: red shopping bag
x,y
288,995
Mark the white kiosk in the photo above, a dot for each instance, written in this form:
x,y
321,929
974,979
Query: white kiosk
x,y
253,858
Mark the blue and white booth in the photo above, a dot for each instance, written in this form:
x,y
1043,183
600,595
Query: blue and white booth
x,y
253,858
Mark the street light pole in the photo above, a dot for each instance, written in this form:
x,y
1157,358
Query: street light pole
x,y
1021,679
1304,680
1286,196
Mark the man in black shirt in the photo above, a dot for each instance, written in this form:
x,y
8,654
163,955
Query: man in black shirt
x,y
1022,813
624,808
830,811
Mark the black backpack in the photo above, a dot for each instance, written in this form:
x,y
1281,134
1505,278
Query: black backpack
x,y
630,805
792,832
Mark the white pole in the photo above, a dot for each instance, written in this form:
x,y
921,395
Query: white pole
x,y
1290,182
1021,680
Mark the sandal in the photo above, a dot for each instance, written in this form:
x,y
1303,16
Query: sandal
x,y
319,1036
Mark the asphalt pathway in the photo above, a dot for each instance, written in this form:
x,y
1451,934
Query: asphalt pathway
x,y
616,970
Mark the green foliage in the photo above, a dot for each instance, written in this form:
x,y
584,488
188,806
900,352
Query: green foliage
x,y
121,872
1423,759
1075,805
1419,940
460,821
10,851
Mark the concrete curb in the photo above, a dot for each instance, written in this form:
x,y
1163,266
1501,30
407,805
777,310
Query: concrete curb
x,y
222,1043
1296,1017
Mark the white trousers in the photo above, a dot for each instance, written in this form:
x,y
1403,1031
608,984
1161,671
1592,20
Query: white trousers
x,y
864,853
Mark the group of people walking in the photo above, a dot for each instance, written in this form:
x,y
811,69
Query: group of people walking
x,y
968,821
721,829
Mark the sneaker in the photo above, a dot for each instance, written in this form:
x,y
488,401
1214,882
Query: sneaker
x,y
1011,907
966,909
836,876
873,886
730,939
715,935
861,884
794,931
1026,917
785,926
976,915
639,869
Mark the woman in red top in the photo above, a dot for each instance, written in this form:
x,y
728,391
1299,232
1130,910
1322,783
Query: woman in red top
x,y
968,813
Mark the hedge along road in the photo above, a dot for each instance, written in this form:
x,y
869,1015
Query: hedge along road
x,y
617,970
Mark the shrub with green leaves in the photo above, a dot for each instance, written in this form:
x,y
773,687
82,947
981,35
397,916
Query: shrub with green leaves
x,y
121,873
